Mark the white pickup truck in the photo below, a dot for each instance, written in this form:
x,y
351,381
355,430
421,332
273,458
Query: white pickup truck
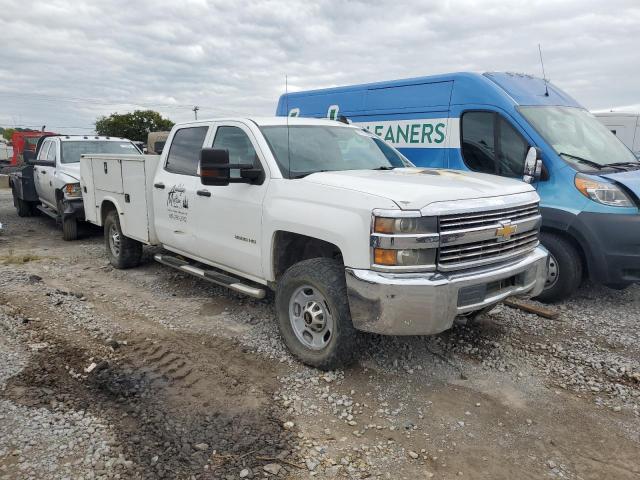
x,y
347,232
50,182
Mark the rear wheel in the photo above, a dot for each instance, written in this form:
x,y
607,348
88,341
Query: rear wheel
x,y
564,268
313,314
123,252
24,208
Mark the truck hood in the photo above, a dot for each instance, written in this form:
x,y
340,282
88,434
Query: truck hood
x,y
415,188
630,179
70,170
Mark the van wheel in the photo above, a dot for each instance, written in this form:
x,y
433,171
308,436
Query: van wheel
x,y
565,268
123,252
313,314
69,224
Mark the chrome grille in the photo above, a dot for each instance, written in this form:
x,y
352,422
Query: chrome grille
x,y
484,246
480,219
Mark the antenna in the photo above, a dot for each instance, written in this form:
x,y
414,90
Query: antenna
x,y
544,75
195,111
286,95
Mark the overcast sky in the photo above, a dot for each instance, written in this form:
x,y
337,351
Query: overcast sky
x,y
64,63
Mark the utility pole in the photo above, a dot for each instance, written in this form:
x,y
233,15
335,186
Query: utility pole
x,y
195,111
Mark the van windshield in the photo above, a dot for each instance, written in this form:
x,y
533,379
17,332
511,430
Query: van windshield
x,y
71,150
578,137
301,150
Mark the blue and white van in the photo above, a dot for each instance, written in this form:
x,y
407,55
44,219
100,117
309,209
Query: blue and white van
x,y
589,183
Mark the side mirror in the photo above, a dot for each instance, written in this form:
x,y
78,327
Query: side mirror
x,y
29,157
532,165
215,169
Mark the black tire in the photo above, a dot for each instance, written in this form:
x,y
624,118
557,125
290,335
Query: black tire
x,y
69,224
24,208
569,268
327,277
128,252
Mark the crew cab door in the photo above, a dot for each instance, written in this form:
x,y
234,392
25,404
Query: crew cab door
x,y
174,188
229,218
46,173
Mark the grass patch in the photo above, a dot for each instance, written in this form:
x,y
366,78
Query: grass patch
x,y
18,259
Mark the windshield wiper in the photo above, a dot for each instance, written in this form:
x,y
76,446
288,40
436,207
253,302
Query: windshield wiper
x,y
304,174
624,164
586,161
384,167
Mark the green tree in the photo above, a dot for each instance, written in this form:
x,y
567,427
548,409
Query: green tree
x,y
8,132
134,126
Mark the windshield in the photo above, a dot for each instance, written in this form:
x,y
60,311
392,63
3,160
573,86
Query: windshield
x,y
578,137
315,148
71,151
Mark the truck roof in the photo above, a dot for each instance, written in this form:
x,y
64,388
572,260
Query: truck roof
x,y
80,138
271,121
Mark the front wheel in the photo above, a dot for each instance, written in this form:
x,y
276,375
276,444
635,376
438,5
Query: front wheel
x,y
564,268
123,252
69,224
313,314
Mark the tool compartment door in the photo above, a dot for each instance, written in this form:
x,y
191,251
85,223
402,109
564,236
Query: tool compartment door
x,y
88,191
135,220
107,174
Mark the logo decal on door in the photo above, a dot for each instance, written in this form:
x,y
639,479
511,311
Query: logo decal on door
x,y
177,203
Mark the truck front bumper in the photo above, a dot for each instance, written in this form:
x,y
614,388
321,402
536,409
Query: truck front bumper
x,y
428,303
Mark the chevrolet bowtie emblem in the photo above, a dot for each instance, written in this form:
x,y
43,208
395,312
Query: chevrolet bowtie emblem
x,y
504,232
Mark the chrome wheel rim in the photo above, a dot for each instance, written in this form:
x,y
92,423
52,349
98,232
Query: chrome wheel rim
x,y
114,240
311,318
553,271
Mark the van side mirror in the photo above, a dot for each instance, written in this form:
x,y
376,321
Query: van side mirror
x,y
215,169
532,165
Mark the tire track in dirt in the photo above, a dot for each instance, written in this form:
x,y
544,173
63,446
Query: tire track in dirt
x,y
179,404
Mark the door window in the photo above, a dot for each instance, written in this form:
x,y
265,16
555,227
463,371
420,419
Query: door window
x,y
51,154
240,148
491,145
184,153
42,154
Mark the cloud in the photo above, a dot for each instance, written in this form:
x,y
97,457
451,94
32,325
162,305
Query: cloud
x,y
64,63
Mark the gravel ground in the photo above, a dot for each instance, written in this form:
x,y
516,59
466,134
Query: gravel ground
x,y
147,373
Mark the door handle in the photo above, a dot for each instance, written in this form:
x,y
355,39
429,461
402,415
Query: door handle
x,y
106,170
159,185
44,172
204,193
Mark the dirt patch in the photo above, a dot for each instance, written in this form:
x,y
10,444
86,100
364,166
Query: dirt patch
x,y
172,418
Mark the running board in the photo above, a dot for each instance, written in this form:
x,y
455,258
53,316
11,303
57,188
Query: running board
x,y
212,276
47,211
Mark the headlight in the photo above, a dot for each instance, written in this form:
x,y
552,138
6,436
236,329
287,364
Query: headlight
x,y
403,241
602,192
405,225
72,190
